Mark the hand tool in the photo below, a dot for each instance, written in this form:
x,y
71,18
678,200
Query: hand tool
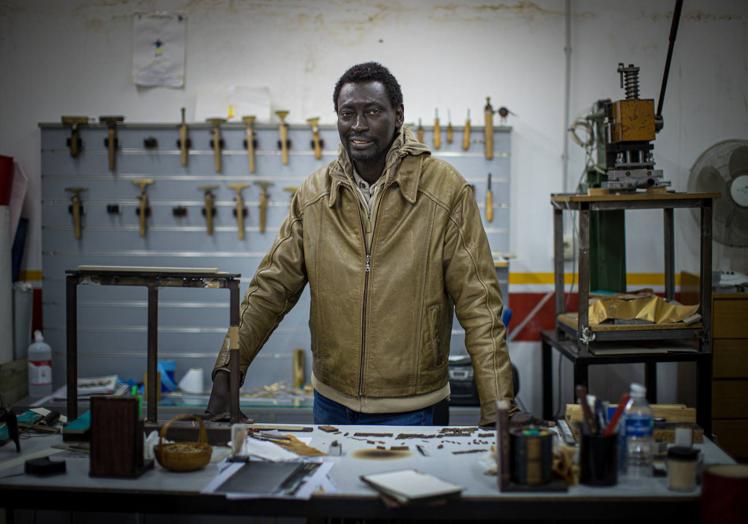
x,y
489,200
179,211
283,129
466,133
209,209
75,144
111,141
240,212
437,131
144,210
299,371
250,142
216,142
76,208
450,129
588,419
419,132
503,113
488,129
184,143
150,142
611,427
264,198
291,190
316,140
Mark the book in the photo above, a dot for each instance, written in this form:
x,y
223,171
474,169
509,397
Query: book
x,y
409,485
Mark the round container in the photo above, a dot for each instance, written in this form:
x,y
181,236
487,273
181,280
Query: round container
x,y
724,494
681,468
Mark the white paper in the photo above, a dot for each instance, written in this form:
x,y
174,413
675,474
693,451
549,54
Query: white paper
x,y
233,102
159,49
266,450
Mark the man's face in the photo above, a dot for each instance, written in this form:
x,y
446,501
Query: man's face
x,y
367,121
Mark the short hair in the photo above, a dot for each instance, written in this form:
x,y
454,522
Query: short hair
x,y
370,72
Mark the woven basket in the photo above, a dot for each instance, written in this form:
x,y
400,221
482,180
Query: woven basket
x,y
183,456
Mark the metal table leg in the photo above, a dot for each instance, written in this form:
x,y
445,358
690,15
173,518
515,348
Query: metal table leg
x,y
547,379
558,259
153,383
234,372
71,352
584,271
669,253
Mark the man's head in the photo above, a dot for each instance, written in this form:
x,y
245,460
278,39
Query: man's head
x,y
369,104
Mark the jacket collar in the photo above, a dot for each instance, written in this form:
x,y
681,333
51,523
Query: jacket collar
x,y
402,166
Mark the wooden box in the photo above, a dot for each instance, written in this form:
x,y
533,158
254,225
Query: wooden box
x,y
633,121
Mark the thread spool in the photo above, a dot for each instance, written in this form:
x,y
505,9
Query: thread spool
x,y
531,455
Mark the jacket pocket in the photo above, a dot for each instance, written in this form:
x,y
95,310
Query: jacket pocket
x,y
434,324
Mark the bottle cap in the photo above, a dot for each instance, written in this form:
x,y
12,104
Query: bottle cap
x,y
38,337
637,390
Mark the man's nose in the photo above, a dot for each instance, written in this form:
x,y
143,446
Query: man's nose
x,y
359,122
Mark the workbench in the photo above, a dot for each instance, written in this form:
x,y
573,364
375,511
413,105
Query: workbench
x,y
159,491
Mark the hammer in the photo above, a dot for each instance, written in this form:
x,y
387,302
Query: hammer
x,y
210,209
264,197
283,128
111,140
216,141
76,208
143,210
240,211
74,142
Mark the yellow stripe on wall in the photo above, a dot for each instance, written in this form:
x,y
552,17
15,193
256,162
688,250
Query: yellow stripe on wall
x,y
632,279
31,275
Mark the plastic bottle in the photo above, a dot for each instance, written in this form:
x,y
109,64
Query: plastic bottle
x,y
639,433
40,367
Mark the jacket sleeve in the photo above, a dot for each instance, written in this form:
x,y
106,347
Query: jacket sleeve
x,y
274,290
471,282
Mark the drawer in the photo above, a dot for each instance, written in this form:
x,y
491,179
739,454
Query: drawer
x,y
730,398
730,316
731,436
730,358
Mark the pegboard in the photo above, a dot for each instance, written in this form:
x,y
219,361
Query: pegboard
x,y
192,322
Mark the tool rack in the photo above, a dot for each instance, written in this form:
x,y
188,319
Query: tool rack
x,y
574,337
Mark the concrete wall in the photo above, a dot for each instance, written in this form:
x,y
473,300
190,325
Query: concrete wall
x,y
74,57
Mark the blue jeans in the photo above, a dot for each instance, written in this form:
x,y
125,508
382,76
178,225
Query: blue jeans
x,y
328,411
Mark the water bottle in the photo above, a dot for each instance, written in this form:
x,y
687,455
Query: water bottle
x,y
40,367
639,431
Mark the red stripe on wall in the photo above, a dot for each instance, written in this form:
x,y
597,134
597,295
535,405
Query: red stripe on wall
x,y
523,303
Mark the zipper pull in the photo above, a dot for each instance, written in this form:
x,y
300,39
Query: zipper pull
x,y
367,268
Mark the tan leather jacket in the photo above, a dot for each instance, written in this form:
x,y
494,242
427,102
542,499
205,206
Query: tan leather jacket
x,y
381,321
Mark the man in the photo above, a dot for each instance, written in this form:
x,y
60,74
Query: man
x,y
390,240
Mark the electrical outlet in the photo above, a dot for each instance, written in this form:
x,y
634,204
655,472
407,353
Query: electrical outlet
x,y
568,248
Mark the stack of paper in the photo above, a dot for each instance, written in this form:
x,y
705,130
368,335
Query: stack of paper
x,y
409,486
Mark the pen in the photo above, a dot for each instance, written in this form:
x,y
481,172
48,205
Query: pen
x,y
589,421
616,415
599,416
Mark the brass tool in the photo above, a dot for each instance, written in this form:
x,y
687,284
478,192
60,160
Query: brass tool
x,y
419,132
466,133
144,210
437,131
240,212
76,208
216,141
450,129
299,371
283,129
291,190
489,200
111,141
250,142
183,143
488,129
75,144
316,140
209,209
264,199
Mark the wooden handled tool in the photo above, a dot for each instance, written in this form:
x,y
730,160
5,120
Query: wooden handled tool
x,y
283,129
76,208
316,141
488,129
216,141
250,138
240,211
291,190
184,145
420,135
209,209
111,140
74,142
264,199
299,371
466,133
450,129
143,207
437,131
489,200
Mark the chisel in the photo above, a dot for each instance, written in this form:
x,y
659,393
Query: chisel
x,y
264,199
216,142
183,142
74,142
250,141
240,212
76,208
111,141
488,129
450,129
489,200
466,133
209,211
283,130
437,131
143,208
420,132
316,140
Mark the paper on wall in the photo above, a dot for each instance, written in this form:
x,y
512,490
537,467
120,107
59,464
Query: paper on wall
x,y
159,49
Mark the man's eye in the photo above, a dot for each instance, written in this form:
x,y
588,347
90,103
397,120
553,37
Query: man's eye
x,y
346,114
374,111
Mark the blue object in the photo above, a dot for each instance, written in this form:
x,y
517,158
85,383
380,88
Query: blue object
x,y
167,368
328,411
506,316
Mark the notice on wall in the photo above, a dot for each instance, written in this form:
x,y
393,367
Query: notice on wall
x,y
159,49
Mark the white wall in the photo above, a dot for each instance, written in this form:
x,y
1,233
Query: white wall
x,y
74,57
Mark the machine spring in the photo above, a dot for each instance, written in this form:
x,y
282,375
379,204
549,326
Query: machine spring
x,y
629,80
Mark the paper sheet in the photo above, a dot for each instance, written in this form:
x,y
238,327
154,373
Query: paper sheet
x,y
159,49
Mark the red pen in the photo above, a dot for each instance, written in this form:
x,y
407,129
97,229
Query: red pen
x,y
616,415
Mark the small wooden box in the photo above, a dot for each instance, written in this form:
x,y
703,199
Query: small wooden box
x,y
633,121
116,438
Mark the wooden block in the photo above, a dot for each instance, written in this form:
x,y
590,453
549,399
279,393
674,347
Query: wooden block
x,y
731,436
673,413
730,358
14,377
633,121
730,398
729,316
116,438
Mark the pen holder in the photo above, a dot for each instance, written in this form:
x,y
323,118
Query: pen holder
x,y
598,460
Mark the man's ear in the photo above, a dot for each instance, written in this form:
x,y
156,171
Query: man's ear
x,y
399,116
